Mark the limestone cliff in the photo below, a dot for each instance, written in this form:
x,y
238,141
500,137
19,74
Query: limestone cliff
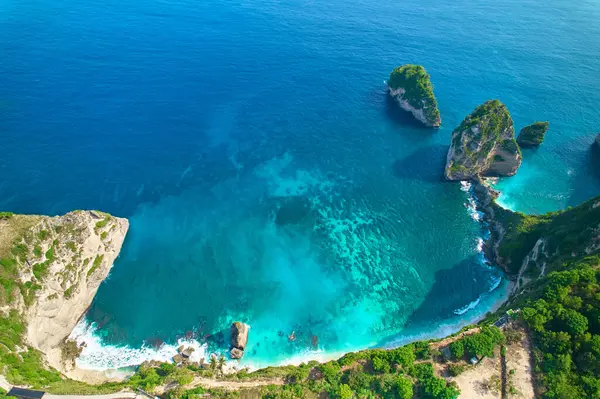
x,y
57,265
411,87
484,145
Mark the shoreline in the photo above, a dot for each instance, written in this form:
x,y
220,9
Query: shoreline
x,y
483,195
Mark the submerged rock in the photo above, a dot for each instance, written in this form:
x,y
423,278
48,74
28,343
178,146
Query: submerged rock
x,y
484,145
597,141
532,135
411,87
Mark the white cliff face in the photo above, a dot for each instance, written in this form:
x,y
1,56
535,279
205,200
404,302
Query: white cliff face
x,y
71,256
418,113
473,154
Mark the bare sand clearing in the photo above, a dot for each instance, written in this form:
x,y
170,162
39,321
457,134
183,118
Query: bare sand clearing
x,y
474,383
518,358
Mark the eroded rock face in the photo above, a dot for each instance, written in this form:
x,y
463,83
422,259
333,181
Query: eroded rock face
x,y
411,87
239,335
484,145
236,353
239,339
68,257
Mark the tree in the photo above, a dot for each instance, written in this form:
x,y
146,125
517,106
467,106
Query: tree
x,y
331,372
457,349
404,356
345,392
221,363
381,365
404,388
575,322
212,362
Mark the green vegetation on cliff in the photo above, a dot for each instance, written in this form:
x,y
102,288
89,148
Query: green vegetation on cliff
x,y
563,314
533,134
565,234
416,83
484,144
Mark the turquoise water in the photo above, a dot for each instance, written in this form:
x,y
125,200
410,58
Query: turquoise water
x,y
265,173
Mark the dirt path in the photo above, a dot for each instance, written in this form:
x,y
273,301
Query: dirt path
x,y
118,395
233,385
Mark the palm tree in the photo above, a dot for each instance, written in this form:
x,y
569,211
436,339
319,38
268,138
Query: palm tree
x,y
213,362
221,363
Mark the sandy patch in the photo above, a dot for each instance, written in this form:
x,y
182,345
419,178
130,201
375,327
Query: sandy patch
x,y
474,383
518,358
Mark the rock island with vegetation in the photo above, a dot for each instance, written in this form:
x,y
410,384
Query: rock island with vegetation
x,y
484,145
411,87
533,135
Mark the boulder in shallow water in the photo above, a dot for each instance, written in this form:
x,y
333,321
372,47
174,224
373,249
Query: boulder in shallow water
x,y
239,335
187,352
597,141
236,353
178,359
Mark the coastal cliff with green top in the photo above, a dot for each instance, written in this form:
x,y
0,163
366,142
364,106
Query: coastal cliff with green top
x,y
484,145
410,85
50,270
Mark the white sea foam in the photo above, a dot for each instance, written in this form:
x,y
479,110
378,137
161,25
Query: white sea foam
x,y
467,307
465,186
480,243
97,356
496,283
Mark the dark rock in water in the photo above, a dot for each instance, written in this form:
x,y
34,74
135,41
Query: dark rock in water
x,y
293,211
178,359
315,342
236,353
239,335
187,352
532,135
597,141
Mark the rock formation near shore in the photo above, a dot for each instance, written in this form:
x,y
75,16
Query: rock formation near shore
x,y
411,87
532,135
484,145
239,339
58,263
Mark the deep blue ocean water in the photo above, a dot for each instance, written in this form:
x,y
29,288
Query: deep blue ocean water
x,y
265,173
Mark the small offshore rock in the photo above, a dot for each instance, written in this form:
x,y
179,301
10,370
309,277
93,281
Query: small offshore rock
x,y
178,359
532,135
187,352
411,87
239,335
236,353
180,349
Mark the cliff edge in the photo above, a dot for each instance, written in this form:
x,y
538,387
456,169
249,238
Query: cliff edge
x,y
484,145
52,268
411,87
